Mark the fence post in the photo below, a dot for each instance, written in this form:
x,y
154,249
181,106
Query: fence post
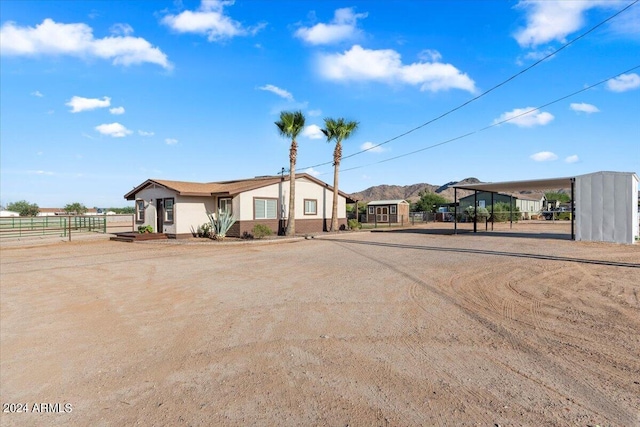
x,y
69,222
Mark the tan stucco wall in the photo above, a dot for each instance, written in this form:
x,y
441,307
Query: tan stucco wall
x,y
305,189
192,212
150,195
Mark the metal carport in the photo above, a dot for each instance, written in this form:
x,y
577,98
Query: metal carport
x,y
604,205
495,187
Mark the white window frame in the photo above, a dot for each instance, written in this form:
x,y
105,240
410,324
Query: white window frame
x,y
228,202
307,207
393,210
139,210
266,201
172,210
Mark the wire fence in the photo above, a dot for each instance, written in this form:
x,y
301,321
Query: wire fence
x,y
63,225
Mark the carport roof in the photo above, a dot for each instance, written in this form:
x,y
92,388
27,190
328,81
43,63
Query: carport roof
x,y
533,184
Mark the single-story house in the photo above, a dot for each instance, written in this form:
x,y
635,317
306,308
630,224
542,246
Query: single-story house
x,y
527,204
177,208
393,211
4,213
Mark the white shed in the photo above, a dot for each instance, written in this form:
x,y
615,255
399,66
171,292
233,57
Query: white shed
x,y
607,207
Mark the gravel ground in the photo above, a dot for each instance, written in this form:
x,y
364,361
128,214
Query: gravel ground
x,y
398,328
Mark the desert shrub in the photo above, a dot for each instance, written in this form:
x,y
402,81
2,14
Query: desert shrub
x,y
354,224
501,212
261,230
480,211
204,230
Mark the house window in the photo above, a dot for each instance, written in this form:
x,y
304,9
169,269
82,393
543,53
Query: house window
x,y
168,210
393,210
372,210
225,205
310,207
139,210
265,208
481,204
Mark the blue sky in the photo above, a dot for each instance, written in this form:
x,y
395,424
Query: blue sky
x,y
97,96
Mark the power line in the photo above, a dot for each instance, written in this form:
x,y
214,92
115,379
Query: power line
x,y
518,74
494,124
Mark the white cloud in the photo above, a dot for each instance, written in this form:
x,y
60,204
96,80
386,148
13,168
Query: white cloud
x,y
572,159
525,117
624,83
314,113
115,130
171,141
386,66
52,38
430,55
544,156
553,19
313,132
371,147
121,29
41,172
37,93
342,27
312,172
78,103
584,108
145,133
209,19
280,92
116,110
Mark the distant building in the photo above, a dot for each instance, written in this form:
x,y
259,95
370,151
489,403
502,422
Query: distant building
x,y
393,211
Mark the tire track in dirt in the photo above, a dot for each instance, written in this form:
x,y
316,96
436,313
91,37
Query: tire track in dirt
x,y
462,394
573,374
599,403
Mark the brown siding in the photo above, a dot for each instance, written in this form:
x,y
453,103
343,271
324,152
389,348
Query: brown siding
x,y
302,226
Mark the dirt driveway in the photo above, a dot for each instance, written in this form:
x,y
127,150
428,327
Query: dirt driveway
x,y
361,329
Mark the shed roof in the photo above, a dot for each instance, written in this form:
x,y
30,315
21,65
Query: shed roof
x,y
388,202
230,188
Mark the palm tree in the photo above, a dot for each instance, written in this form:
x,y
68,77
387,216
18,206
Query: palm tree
x,y
338,130
290,125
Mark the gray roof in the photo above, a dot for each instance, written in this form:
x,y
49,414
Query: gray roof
x,y
388,202
533,184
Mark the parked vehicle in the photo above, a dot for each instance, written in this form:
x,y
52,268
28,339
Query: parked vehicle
x,y
562,213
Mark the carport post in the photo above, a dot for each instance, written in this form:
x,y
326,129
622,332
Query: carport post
x,y
455,210
511,211
475,211
573,209
492,193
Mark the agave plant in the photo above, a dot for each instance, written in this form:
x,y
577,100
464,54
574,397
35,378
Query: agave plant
x,y
220,224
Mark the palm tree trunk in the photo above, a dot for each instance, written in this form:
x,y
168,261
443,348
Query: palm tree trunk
x,y
337,155
291,222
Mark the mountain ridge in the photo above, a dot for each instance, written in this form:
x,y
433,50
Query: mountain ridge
x,y
411,193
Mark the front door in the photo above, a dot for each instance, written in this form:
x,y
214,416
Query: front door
x,y
159,216
382,214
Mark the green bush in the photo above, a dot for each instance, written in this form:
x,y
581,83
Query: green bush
x,y
204,230
354,224
145,229
261,230
501,212
481,212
